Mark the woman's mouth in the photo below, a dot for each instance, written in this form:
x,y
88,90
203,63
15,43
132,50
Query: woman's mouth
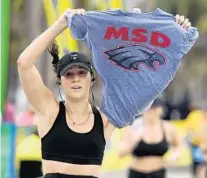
x,y
76,87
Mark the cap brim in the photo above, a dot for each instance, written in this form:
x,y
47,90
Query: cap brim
x,y
79,64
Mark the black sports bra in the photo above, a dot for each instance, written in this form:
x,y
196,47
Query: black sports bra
x,y
64,145
151,149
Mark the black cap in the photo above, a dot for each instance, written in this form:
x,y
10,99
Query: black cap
x,y
73,59
157,103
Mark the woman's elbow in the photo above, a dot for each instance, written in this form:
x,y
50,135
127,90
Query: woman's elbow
x,y
22,63
121,155
122,152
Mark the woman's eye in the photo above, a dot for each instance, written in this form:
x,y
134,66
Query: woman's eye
x,y
68,74
82,72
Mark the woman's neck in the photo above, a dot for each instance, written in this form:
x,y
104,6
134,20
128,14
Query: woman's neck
x,y
152,122
78,108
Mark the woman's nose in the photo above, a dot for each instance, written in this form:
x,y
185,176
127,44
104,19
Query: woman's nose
x,y
76,78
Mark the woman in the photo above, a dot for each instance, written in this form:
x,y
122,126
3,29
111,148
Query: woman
x,y
27,118
28,154
72,132
148,140
196,124
67,128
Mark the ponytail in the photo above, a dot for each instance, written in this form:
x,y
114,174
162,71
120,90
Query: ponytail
x,y
54,51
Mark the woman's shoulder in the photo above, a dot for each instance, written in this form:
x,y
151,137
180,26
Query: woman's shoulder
x,y
169,128
167,125
104,117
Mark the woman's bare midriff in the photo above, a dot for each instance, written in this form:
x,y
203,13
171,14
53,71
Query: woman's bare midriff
x,y
71,169
147,164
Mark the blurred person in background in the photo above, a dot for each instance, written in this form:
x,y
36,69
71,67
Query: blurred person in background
x,y
28,156
148,139
28,153
27,118
9,114
196,124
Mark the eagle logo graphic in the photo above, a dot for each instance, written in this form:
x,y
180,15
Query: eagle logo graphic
x,y
132,56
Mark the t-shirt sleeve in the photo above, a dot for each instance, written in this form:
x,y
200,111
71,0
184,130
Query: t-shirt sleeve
x,y
77,25
189,38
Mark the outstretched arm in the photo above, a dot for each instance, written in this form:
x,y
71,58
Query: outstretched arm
x,y
129,141
176,144
40,97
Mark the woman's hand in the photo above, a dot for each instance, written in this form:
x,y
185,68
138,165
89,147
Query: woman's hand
x,y
184,22
203,147
63,18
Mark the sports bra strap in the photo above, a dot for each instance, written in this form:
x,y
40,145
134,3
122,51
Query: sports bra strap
x,y
98,117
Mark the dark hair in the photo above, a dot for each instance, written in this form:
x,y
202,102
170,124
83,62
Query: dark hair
x,y
54,51
158,103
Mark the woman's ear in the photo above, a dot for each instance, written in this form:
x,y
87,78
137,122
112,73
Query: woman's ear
x,y
58,81
92,83
93,79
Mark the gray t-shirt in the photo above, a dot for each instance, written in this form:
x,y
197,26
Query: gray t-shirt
x,y
136,55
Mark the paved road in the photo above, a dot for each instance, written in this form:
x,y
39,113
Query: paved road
x,y
172,173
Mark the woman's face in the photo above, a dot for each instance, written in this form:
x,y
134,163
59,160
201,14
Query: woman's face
x,y
76,83
153,112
